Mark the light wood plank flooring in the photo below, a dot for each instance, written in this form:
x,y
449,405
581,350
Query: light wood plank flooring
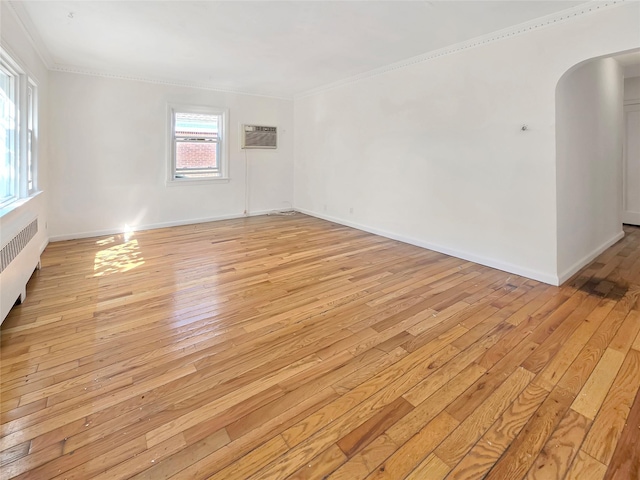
x,y
290,347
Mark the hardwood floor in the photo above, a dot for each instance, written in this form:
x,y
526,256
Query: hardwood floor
x,y
290,347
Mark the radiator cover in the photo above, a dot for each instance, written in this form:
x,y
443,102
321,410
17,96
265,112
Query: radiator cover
x,y
17,243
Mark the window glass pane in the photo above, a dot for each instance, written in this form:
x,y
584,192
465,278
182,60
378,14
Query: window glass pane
x,y
196,159
196,125
30,111
8,127
30,107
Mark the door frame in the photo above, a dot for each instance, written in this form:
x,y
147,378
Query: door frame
x,y
632,218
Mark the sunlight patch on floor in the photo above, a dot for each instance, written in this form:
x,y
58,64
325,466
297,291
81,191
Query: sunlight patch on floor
x,y
118,258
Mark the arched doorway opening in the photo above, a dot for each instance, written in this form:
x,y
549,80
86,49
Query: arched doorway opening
x,y
590,173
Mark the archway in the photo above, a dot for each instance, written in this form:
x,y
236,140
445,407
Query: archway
x,y
589,152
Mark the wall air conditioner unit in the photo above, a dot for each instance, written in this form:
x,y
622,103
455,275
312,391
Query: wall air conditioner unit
x,y
256,136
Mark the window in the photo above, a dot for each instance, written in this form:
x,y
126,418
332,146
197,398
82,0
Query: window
x,y
8,132
18,132
198,144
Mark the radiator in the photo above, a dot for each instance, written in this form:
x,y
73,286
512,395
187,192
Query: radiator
x,y
17,244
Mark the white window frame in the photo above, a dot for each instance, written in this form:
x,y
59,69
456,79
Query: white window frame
x,y
223,160
24,85
32,137
9,65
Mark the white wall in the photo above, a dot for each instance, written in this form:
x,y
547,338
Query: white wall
x,y
632,89
589,102
12,220
631,151
432,153
109,157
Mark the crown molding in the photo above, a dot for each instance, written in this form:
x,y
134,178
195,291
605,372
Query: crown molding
x,y
158,81
24,21
509,32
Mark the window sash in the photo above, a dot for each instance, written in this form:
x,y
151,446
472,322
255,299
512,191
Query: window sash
x,y
195,139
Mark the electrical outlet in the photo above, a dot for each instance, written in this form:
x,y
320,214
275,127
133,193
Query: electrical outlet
x,y
351,210
324,207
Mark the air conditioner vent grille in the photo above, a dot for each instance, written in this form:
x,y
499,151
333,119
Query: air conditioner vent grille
x,y
257,136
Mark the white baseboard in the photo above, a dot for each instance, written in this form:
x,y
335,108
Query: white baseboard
x,y
489,262
153,226
573,269
544,277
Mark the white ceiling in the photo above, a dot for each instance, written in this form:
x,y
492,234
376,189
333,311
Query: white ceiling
x,y
279,48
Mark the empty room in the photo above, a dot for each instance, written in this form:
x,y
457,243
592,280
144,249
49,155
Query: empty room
x,y
320,239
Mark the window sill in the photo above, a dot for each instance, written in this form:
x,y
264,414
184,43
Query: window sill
x,y
183,182
16,204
